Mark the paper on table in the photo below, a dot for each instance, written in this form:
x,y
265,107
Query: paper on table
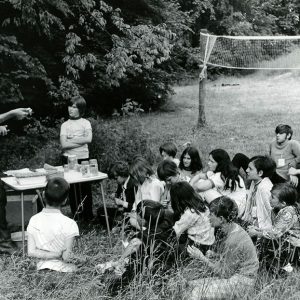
x,y
13,172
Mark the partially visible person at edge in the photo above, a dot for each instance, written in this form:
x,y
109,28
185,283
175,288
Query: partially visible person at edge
x,y
6,245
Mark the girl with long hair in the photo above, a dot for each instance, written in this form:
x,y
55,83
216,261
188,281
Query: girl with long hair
x,y
222,179
191,215
190,162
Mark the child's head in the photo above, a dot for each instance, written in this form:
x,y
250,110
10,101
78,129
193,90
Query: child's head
x,y
76,107
119,171
151,211
260,167
283,133
167,171
190,160
168,150
283,194
222,210
219,161
183,196
140,169
56,191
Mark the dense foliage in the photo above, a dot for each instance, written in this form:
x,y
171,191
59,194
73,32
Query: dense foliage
x,y
110,51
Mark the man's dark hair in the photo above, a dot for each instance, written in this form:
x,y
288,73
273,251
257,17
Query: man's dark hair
x,y
56,191
264,163
119,168
169,148
224,207
283,128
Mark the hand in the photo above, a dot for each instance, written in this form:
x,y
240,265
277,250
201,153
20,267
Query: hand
x,y
293,171
195,252
253,231
119,202
21,113
165,203
294,180
65,255
3,130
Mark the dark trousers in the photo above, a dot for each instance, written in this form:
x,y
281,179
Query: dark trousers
x,y
78,192
3,201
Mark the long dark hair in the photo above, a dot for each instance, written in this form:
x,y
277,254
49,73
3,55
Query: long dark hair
x,y
183,196
229,173
196,163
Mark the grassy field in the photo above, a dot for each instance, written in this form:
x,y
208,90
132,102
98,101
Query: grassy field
x,y
240,118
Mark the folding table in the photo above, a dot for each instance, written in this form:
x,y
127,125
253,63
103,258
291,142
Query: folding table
x,y
70,177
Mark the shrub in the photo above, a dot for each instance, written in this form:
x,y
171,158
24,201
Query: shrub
x,y
118,139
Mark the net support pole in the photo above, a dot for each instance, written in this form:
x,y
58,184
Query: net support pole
x,y
202,91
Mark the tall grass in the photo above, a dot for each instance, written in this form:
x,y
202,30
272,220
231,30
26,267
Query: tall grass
x,y
240,118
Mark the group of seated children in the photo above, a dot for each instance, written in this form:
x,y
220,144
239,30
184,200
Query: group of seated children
x,y
183,210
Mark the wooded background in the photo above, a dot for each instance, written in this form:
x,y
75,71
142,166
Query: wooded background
x,y
114,50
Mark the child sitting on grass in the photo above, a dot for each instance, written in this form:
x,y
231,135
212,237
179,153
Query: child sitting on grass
x,y
50,233
191,216
190,162
276,249
124,196
168,151
168,172
258,208
222,179
234,264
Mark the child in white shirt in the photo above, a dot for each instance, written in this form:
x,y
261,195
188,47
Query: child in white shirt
x,y
50,233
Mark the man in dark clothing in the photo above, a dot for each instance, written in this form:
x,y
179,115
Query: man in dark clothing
x,y
6,245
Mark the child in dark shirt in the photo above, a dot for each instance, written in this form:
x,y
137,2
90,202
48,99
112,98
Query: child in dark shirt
x,y
124,196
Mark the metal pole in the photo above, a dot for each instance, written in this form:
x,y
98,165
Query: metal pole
x,y
106,216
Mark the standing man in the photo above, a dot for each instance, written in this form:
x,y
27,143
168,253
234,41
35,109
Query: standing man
x,y
6,246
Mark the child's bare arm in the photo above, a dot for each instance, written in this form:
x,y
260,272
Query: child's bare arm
x,y
33,251
68,249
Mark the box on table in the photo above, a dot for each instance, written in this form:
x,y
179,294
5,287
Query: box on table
x,y
13,207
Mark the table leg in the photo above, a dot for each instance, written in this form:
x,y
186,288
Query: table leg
x,y
106,216
23,225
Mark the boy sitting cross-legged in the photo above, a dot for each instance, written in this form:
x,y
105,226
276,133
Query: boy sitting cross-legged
x,y
258,208
50,233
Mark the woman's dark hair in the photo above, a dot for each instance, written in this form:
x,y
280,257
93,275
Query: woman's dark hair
x,y
224,207
166,168
151,211
286,193
196,163
266,164
229,173
183,196
80,104
119,168
169,148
